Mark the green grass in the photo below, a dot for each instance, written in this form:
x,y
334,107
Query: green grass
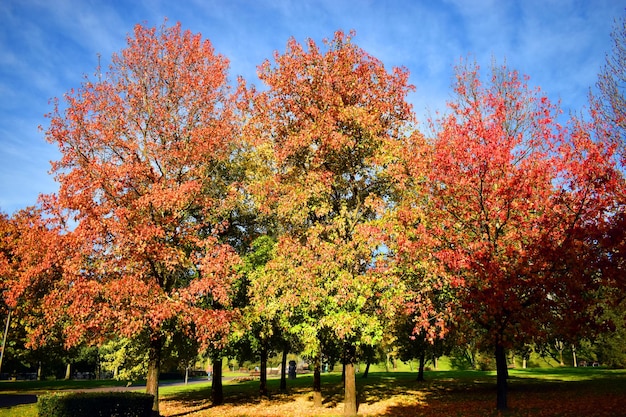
x,y
543,391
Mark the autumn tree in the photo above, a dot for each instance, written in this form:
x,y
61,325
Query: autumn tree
x,y
145,150
263,327
32,253
515,202
423,320
329,118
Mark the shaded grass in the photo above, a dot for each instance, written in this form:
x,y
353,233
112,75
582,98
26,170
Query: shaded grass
x,y
20,386
545,392
534,392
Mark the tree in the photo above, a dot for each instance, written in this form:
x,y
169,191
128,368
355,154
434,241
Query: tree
x,y
144,176
515,204
608,111
330,120
610,105
32,260
266,329
427,296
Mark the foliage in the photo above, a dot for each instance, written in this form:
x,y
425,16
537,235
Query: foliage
x,y
330,120
124,359
146,151
514,201
123,404
141,156
32,254
330,142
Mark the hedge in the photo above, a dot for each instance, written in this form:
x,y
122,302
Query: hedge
x,y
95,404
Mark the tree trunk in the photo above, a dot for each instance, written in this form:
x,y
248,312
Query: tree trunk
x,y
574,356
317,382
154,369
263,373
502,374
4,338
217,391
283,370
420,372
559,347
68,371
349,404
367,369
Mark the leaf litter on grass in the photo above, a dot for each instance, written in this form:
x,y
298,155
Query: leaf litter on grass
x,y
439,397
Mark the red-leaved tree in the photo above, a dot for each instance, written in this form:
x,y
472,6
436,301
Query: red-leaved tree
x,y
515,202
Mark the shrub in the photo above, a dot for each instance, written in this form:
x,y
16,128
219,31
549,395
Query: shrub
x,y
95,404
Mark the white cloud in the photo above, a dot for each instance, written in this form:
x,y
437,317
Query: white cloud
x,y
47,48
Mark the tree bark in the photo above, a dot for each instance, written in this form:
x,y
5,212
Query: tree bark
x,y
263,373
502,374
217,391
154,369
420,371
350,403
317,382
283,370
367,369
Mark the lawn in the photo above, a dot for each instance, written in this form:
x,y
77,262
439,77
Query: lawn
x,y
533,392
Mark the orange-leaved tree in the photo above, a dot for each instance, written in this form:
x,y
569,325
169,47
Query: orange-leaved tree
x,y
330,120
427,296
32,257
144,173
515,202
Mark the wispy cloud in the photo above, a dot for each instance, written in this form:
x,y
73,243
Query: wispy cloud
x,y
48,47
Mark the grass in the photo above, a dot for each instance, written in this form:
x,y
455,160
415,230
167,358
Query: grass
x,y
533,392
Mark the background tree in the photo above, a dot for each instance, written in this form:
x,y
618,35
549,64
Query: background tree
x,y
330,118
515,205
145,151
424,319
266,329
609,115
32,260
610,104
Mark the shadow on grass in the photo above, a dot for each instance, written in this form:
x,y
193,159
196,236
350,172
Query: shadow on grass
x,y
549,393
11,400
246,393
554,392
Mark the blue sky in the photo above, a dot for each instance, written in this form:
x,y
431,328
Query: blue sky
x,y
48,47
